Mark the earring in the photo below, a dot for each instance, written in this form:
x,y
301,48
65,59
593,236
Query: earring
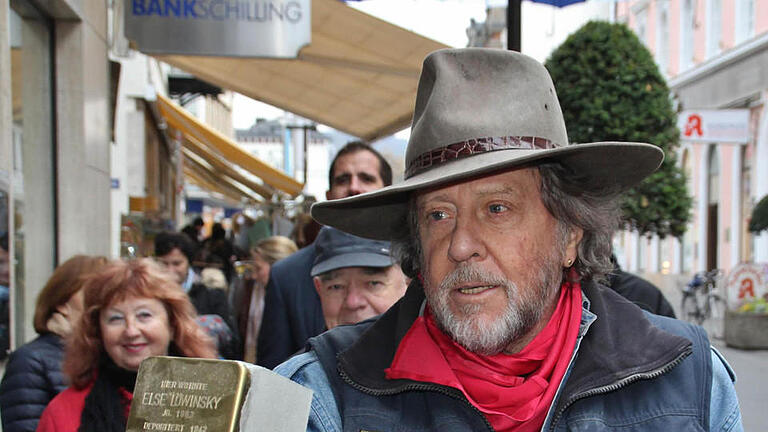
x,y
569,262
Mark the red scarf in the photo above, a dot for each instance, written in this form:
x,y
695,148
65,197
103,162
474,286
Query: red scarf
x,y
514,392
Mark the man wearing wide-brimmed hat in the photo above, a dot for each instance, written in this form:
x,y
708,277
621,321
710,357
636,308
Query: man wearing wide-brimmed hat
x,y
506,229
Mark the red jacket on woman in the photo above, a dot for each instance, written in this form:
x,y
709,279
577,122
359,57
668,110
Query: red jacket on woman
x,y
64,412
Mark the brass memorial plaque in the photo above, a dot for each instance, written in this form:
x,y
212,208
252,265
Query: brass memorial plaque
x,y
175,394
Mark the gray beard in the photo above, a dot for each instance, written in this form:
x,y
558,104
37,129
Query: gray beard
x,y
522,313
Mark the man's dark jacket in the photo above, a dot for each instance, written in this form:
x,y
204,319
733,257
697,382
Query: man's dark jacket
x,y
640,292
633,372
32,378
292,310
210,301
213,301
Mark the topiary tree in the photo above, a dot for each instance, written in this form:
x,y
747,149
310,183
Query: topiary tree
x,y
759,220
610,89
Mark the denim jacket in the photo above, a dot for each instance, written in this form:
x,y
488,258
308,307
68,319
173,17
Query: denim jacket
x,y
688,386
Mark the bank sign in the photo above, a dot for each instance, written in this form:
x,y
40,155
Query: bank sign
x,y
227,28
722,126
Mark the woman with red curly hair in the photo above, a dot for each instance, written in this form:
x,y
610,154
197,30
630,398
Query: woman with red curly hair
x,y
133,310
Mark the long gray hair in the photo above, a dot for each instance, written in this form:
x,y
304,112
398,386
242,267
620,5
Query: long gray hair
x,y
572,201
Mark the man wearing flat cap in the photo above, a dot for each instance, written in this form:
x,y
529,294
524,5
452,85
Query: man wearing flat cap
x,y
505,228
356,278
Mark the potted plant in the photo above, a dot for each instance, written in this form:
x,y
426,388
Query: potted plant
x,y
747,327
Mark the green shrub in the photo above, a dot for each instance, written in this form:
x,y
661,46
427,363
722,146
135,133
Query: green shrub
x,y
759,219
610,89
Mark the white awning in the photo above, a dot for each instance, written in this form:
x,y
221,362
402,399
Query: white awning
x,y
359,74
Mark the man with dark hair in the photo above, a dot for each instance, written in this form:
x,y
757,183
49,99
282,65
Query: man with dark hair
x,y
352,171
176,252
292,310
506,229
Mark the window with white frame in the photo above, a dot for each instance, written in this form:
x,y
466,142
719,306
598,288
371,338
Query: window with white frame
x,y
714,27
687,19
662,36
744,27
642,26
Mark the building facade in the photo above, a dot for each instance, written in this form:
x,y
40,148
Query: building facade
x,y
148,183
714,54
81,145
280,143
55,123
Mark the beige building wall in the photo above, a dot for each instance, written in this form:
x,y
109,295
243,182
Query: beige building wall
x,y
83,132
65,201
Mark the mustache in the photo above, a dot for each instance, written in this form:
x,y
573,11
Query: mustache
x,y
472,274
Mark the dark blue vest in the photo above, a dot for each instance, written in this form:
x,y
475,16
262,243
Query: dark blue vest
x,y
604,390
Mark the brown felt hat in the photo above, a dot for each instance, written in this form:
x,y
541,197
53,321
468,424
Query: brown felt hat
x,y
480,111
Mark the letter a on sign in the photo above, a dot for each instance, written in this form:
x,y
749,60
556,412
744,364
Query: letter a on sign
x,y
693,126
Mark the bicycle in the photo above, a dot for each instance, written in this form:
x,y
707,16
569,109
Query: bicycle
x,y
702,305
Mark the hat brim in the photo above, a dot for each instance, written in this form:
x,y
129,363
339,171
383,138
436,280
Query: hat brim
x,y
351,260
381,214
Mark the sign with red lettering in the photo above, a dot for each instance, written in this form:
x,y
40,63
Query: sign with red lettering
x,y
745,283
714,125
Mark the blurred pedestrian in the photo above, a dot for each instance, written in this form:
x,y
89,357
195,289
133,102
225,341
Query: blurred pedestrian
x,y
227,341
305,231
263,255
213,278
194,230
133,310
33,374
176,252
261,228
292,310
241,222
218,245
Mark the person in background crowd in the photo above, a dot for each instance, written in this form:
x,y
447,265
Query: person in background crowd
x,y
305,230
241,222
639,291
356,278
33,373
204,259
225,337
219,246
292,311
213,278
251,300
5,296
260,229
133,310
194,230
175,251
506,229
